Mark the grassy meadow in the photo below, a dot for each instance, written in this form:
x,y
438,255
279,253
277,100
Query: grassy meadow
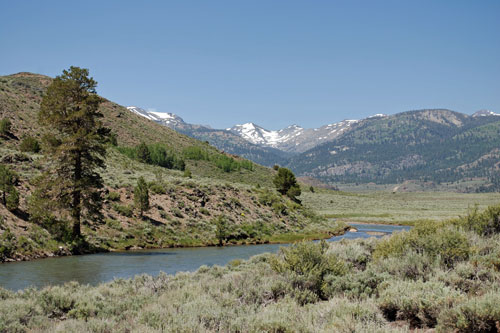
x,y
407,208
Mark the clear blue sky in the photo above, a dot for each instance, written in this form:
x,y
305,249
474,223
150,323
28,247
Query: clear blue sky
x,y
270,62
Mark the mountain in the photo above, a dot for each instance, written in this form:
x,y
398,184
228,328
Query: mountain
x,y
292,139
426,145
484,113
224,140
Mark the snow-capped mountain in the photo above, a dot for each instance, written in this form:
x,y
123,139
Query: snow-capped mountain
x,y
484,113
259,135
164,118
292,138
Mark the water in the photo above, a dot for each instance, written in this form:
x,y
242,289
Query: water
x,y
95,268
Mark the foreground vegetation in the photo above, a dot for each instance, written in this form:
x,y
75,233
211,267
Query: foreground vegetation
x,y
438,275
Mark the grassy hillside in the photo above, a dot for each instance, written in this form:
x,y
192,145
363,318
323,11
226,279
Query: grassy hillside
x,y
20,97
429,145
184,206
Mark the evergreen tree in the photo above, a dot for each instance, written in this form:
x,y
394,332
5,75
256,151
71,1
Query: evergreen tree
x,y
143,153
76,137
286,184
220,229
8,180
141,196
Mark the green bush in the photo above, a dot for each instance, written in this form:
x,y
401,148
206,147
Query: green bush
x,y
432,239
115,224
30,144
480,314
7,244
155,154
195,153
484,223
157,188
177,213
419,303
12,201
123,210
305,266
5,126
113,196
360,285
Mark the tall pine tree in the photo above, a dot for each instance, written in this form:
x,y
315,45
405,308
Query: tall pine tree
x,y
76,137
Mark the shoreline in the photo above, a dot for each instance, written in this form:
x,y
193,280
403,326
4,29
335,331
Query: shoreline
x,y
288,239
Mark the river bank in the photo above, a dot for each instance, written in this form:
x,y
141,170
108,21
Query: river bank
x,y
285,238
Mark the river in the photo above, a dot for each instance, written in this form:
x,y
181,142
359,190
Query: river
x,y
95,268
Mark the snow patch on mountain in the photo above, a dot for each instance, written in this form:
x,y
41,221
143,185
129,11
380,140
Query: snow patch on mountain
x,y
484,113
164,118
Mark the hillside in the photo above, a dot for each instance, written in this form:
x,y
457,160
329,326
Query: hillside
x,y
184,207
426,145
21,94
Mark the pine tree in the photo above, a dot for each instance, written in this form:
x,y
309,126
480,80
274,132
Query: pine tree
x,y
286,184
221,228
143,153
141,196
10,195
70,114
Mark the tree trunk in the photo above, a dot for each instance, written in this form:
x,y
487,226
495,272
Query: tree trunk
x,y
76,209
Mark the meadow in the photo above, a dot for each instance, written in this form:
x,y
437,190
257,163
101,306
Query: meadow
x,y
408,208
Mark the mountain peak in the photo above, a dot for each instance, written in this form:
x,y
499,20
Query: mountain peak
x,y
484,113
165,118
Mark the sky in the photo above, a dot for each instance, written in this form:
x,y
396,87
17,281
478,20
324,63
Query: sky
x,y
274,63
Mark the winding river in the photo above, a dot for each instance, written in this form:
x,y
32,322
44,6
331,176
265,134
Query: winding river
x,y
95,268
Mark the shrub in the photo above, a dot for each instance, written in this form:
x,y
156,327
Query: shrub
x,y
480,314
12,201
8,180
187,173
30,144
40,208
113,196
157,188
360,285
484,223
419,303
7,244
195,153
279,208
221,229
177,213
305,266
141,196
127,211
5,126
430,238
